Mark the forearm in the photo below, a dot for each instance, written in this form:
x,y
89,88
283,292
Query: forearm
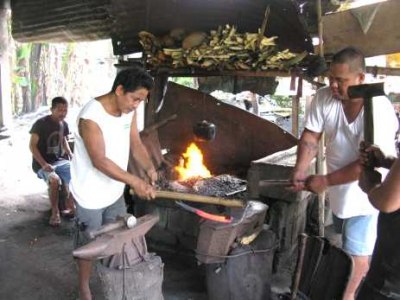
x,y
38,157
347,174
66,147
307,149
386,196
141,156
112,170
388,161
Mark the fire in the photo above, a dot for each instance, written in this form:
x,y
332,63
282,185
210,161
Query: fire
x,y
192,164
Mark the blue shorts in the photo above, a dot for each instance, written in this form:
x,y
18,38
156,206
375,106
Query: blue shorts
x,y
358,234
61,169
92,219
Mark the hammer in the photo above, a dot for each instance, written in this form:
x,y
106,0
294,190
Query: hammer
x,y
367,92
122,221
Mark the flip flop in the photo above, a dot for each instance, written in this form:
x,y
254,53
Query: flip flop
x,y
68,213
55,221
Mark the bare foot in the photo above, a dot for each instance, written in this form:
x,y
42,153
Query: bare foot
x,y
85,294
55,220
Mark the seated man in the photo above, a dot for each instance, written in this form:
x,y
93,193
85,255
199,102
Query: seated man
x,y
51,154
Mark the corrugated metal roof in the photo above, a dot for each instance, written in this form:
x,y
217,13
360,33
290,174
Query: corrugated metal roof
x,y
61,20
76,20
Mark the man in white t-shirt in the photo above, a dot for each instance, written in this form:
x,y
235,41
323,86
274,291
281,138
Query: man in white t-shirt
x,y
107,130
341,119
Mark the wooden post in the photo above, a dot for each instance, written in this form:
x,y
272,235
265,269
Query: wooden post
x,y
5,76
321,169
156,97
296,107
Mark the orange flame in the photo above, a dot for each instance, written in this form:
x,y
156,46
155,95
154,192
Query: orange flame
x,y
192,164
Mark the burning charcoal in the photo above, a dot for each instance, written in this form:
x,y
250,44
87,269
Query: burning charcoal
x,y
219,186
162,182
178,187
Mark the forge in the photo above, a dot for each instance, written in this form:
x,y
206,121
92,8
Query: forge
x,y
244,150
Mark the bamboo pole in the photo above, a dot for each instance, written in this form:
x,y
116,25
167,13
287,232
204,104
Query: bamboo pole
x,y
321,156
198,198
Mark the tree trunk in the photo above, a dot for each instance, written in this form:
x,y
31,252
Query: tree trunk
x,y
35,76
5,82
25,88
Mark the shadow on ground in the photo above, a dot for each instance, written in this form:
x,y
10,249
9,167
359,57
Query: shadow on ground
x,y
37,262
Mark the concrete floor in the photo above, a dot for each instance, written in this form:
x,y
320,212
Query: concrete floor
x,y
37,262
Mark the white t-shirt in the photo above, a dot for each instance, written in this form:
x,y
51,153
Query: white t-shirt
x,y
91,188
342,145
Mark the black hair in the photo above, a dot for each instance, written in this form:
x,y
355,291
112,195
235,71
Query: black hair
x,y
352,57
58,100
132,79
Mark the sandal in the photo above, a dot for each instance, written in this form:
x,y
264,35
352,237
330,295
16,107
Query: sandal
x,y
68,213
55,221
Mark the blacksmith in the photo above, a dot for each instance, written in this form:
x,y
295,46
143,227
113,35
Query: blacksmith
x,y
107,129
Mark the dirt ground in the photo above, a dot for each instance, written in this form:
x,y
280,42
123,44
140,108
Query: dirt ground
x,y
36,259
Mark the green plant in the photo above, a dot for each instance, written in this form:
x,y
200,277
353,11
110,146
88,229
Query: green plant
x,y
282,101
185,81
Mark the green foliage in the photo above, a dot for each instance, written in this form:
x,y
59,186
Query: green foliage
x,y
20,81
23,51
282,101
185,81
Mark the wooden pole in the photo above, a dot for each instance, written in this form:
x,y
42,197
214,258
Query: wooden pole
x,y
198,198
5,73
321,145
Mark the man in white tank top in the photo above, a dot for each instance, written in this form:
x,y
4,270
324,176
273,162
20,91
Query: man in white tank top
x,y
107,129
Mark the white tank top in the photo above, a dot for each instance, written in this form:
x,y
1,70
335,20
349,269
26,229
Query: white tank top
x,y
91,188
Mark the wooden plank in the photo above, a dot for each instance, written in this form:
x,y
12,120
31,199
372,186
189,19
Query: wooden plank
x,y
193,72
343,29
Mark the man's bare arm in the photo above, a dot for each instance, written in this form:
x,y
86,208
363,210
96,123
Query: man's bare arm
x,y
386,197
307,149
33,146
139,152
66,147
347,174
94,143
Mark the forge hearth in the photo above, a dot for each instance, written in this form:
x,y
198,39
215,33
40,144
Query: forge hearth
x,y
178,229
224,185
288,212
234,158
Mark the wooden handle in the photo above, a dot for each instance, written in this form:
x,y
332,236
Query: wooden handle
x,y
159,124
198,198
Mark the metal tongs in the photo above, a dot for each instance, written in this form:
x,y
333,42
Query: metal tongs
x,y
281,182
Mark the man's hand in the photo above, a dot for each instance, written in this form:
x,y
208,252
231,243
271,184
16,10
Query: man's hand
x,y
142,189
47,167
369,179
371,156
317,183
153,176
297,178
